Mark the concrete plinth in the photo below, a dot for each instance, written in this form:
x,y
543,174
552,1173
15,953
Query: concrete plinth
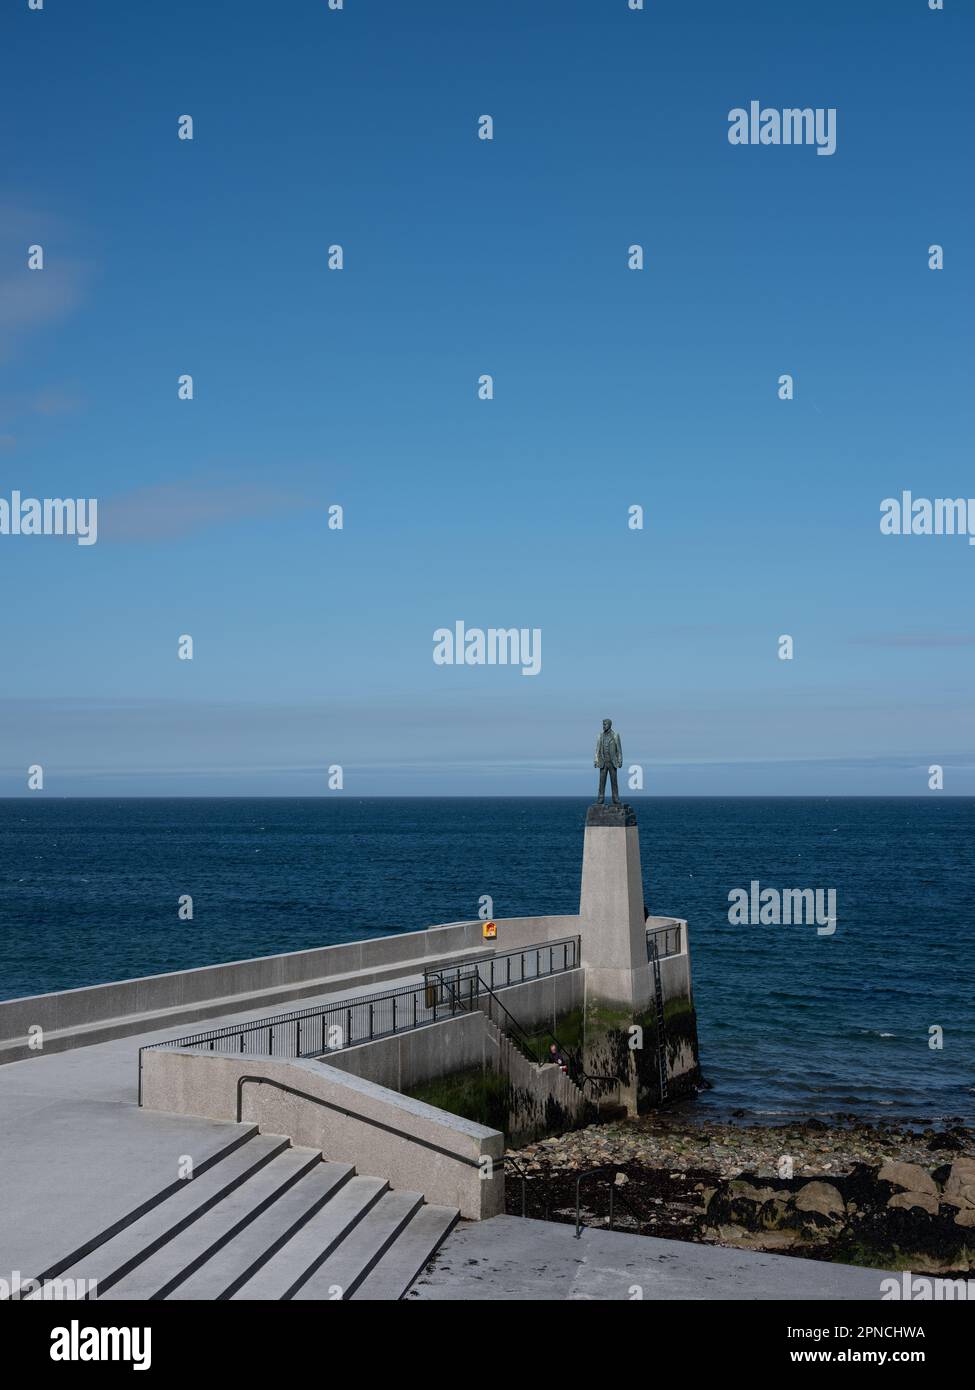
x,y
619,982
611,911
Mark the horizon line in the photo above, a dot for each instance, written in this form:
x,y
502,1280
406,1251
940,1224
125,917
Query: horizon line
x,y
514,796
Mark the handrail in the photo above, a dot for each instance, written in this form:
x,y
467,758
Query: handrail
x,y
544,1184
523,953
614,1168
574,1068
524,1039
349,1114
360,1018
522,1173
671,932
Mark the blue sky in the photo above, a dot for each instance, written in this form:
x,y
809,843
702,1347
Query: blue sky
x,y
612,388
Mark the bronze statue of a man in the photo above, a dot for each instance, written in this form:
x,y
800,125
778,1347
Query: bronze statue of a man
x,y
609,756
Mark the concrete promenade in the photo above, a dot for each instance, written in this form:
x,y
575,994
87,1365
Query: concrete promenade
x,y
78,1155
76,1152
510,1257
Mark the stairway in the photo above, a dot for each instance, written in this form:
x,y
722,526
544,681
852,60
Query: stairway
x,y
543,1084
270,1221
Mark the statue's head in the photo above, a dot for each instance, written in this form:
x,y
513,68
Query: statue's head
x,y
607,725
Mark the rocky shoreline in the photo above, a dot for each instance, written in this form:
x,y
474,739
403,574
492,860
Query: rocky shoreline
x,y
884,1195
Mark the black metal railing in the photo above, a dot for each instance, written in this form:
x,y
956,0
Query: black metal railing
x,y
465,995
322,1029
549,1195
504,968
668,941
610,1173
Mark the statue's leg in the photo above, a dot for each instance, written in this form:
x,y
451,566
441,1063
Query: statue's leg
x,y
616,790
602,787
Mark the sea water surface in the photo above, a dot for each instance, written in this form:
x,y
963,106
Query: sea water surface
x,y
790,1022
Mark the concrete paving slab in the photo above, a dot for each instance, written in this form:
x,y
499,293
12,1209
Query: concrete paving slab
x,y
509,1257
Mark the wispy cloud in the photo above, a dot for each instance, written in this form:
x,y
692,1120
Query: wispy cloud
x,y
31,300
167,510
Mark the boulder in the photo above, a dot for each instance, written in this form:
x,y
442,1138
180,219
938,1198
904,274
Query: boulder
x,y
905,1200
747,1192
961,1179
910,1177
820,1197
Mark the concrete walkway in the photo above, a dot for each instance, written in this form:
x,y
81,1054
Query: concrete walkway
x,y
509,1257
77,1155
76,1152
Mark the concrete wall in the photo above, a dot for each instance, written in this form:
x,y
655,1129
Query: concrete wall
x,y
542,1099
538,1003
675,971
455,1044
80,1017
384,1134
423,1054
683,1068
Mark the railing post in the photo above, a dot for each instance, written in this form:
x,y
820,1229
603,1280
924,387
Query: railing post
x,y
297,1037
270,1041
394,1012
370,1022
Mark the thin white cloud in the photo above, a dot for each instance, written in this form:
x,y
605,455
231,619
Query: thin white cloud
x,y
166,511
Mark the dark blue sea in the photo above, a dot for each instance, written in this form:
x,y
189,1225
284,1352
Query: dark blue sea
x,y
790,1022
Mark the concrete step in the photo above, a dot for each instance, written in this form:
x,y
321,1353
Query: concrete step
x,y
409,1252
344,1270
234,1263
180,1257
284,1272
162,1221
